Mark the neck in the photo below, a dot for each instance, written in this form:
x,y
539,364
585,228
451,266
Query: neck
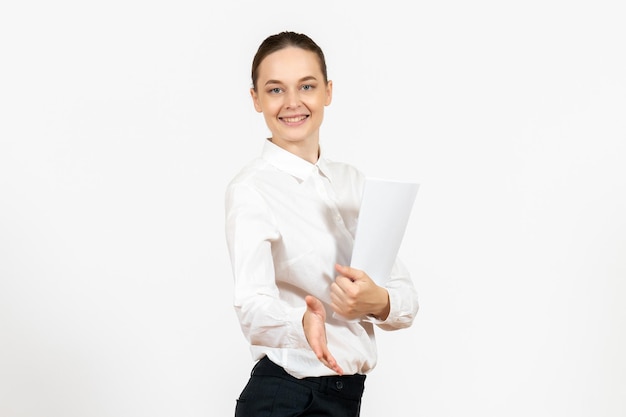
x,y
310,152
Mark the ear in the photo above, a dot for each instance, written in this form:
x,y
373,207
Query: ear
x,y
255,101
329,93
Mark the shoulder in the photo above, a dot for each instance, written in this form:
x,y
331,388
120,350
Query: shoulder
x,y
257,182
251,173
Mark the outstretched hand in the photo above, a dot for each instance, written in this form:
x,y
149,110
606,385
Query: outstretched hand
x,y
314,324
354,294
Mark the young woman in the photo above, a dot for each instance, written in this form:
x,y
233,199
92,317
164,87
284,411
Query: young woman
x,y
291,216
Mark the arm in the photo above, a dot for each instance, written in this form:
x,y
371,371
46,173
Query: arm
x,y
250,230
402,299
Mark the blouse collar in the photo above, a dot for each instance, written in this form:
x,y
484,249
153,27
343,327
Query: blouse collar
x,y
291,163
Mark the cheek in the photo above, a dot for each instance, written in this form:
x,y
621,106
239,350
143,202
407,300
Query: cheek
x,y
272,104
267,107
321,100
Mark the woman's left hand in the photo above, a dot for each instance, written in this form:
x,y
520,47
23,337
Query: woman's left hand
x,y
354,294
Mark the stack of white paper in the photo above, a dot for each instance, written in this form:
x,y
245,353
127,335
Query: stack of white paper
x,y
383,217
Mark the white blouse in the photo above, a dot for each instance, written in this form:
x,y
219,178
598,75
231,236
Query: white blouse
x,y
288,222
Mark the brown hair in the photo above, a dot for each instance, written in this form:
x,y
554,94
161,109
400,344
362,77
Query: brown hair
x,y
283,40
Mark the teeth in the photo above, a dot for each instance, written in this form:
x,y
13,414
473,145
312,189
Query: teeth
x,y
293,119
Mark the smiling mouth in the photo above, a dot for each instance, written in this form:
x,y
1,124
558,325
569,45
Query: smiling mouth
x,y
295,119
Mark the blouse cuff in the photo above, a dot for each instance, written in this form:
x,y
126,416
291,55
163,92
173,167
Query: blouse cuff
x,y
297,336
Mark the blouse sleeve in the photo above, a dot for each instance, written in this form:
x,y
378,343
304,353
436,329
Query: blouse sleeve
x,y
402,298
250,230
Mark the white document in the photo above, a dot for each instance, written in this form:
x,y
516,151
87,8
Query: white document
x,y
383,217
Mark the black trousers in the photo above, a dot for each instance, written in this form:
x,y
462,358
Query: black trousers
x,y
272,392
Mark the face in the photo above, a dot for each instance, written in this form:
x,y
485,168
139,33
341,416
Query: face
x,y
291,94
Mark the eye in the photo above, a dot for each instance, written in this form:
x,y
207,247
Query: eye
x,y
275,90
307,87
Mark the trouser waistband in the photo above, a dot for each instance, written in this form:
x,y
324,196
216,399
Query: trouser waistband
x,y
346,386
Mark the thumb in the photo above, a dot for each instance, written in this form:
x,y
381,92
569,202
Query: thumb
x,y
349,272
315,306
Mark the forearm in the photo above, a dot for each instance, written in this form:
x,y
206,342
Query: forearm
x,y
402,301
267,321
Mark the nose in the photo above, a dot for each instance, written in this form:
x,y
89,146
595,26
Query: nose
x,y
292,99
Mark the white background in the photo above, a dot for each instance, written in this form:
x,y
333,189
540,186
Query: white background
x,y
122,121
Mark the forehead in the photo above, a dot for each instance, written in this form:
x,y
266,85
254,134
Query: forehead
x,y
290,63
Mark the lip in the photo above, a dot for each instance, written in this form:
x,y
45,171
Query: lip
x,y
294,120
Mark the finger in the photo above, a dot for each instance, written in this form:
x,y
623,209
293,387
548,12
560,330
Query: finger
x,y
319,347
349,272
311,301
341,288
337,294
329,361
315,306
342,283
340,297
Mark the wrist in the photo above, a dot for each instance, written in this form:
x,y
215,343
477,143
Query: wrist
x,y
382,312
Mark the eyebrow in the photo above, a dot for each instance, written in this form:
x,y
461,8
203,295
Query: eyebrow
x,y
307,78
